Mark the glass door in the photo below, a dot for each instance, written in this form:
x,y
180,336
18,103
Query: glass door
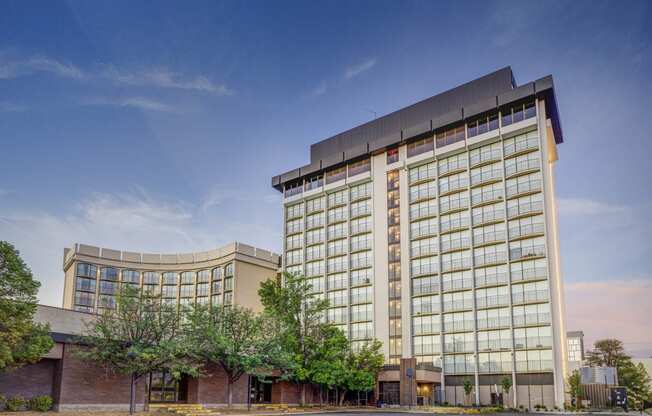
x,y
163,388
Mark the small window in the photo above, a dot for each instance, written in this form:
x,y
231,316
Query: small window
x,y
392,156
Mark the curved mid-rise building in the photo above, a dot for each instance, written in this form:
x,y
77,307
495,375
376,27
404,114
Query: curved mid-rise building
x,y
227,275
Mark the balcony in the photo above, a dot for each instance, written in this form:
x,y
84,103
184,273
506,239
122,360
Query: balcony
x,y
422,174
530,296
532,343
337,233
495,344
360,263
314,223
314,239
486,217
425,288
491,279
458,284
361,245
534,273
522,166
455,224
523,188
424,231
527,252
532,319
493,195
417,212
487,176
460,264
316,271
454,166
492,323
360,211
421,251
455,204
492,258
458,305
526,230
294,229
453,185
424,269
456,244
417,194
492,301
426,308
337,267
458,326
360,228
486,156
336,217
519,146
491,237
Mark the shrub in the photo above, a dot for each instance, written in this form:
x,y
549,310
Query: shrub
x,y
2,401
15,403
40,403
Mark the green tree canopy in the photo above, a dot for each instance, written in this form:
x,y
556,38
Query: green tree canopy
x,y
234,338
362,367
139,336
299,318
21,340
575,388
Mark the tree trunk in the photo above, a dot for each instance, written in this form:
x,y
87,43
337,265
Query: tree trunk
x,y
341,396
303,394
229,390
321,396
147,388
132,394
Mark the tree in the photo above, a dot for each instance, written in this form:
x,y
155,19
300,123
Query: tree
x,y
506,384
329,365
637,381
362,368
234,338
468,387
21,340
137,337
575,388
607,352
299,320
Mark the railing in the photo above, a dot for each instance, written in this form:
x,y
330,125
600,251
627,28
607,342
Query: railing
x,y
426,308
456,264
455,244
364,227
429,328
458,284
530,296
495,215
490,259
424,289
357,264
457,305
486,176
418,174
363,210
525,252
428,268
538,365
424,231
423,349
493,323
454,204
485,156
458,326
523,187
489,237
453,185
314,255
521,166
336,216
486,196
337,267
526,229
337,233
420,212
452,166
531,319
337,250
291,229
532,342
495,367
491,279
361,245
526,208
423,250
491,301
521,145
495,344
315,271
315,238
458,346
454,224
422,193
360,282
529,274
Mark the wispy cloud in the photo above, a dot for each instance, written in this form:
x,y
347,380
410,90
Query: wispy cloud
x,y
355,70
140,103
134,220
618,308
164,78
583,206
319,89
8,107
16,68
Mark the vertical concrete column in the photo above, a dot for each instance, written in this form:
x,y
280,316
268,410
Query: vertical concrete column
x,y
408,386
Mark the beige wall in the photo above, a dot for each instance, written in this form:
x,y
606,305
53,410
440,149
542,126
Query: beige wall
x,y
248,278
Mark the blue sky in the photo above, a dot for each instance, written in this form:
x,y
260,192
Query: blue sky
x,y
156,126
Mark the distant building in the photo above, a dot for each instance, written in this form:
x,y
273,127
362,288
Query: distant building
x,y
575,340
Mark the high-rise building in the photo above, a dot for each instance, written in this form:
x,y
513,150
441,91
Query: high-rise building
x,y
434,230
227,275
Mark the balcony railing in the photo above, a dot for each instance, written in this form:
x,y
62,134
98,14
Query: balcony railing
x,y
495,344
458,284
458,164
453,185
424,308
424,231
533,342
455,244
530,296
458,305
454,204
491,301
417,212
526,208
521,145
422,193
423,250
491,279
419,174
456,265
485,156
522,166
533,273
422,269
454,224
525,252
490,259
493,323
525,230
458,326
425,289
489,237
486,196
531,319
524,187
486,176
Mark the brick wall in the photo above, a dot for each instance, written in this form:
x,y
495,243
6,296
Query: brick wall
x,y
30,380
84,385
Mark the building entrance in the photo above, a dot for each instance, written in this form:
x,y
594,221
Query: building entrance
x,y
165,389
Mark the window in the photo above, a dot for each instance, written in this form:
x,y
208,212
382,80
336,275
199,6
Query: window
x,y
109,288
454,182
420,146
292,189
495,362
459,321
187,291
314,182
362,312
457,280
533,247
336,247
359,167
526,226
336,174
109,273
490,254
489,233
529,270
459,342
494,340
456,241
204,276
423,247
228,270
522,142
458,301
203,289
293,241
336,264
337,281
169,291
316,204
492,275
522,163
294,257
315,268
361,225
337,198
454,221
450,136
452,163
482,124
487,193
361,277
187,278
493,318
459,363
532,314
423,191
361,242
486,153
523,184
517,112
423,209
85,284
361,259
456,201
424,265
312,253
228,283
427,171
361,294
217,273
392,156
294,211
425,304
85,299
491,297
336,315
537,337
294,226
486,173
337,230
530,292
361,191
361,208
426,324
315,236
425,285
430,344
525,205
363,330
337,214
86,270
316,285
130,276
423,228
170,278
456,261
